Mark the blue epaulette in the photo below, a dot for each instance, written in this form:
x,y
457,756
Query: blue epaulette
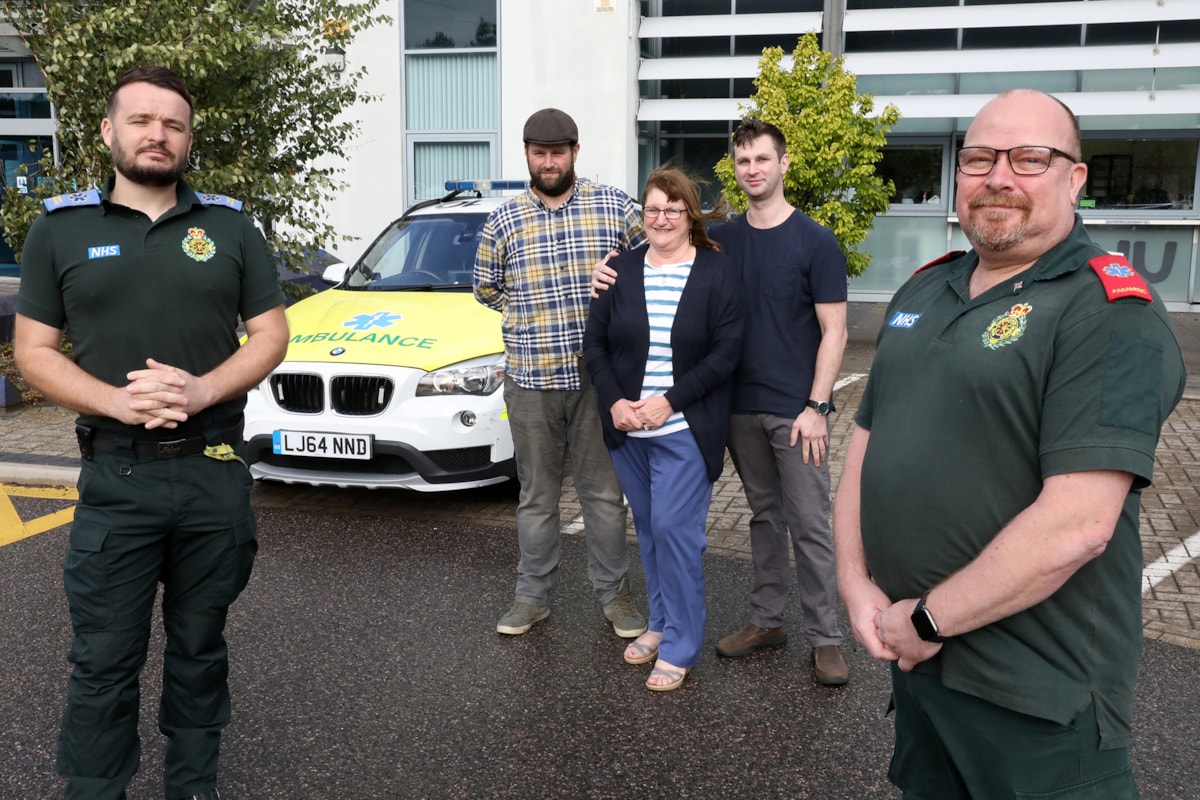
x,y
219,200
91,197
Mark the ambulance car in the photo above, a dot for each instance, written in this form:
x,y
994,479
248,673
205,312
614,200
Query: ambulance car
x,y
393,377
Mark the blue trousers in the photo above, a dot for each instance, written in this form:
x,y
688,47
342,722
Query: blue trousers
x,y
185,523
667,485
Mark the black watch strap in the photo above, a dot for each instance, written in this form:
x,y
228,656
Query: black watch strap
x,y
924,623
821,407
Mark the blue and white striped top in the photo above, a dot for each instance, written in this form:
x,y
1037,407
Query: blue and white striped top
x,y
664,286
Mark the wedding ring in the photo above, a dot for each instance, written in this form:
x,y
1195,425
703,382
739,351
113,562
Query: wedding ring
x,y
646,427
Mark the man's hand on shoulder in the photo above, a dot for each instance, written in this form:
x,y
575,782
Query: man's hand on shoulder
x,y
603,275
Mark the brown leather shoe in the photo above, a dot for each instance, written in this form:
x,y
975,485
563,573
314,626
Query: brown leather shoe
x,y
829,668
751,639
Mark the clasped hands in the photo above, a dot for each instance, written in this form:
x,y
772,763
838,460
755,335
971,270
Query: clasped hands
x,y
648,414
162,396
885,628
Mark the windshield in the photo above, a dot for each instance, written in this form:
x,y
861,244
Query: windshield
x,y
431,251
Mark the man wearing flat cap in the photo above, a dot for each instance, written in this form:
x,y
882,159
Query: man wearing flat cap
x,y
533,266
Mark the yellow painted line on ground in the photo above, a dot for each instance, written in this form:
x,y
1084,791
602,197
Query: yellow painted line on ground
x,y
14,529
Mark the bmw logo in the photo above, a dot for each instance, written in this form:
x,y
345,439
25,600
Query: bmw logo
x,y
337,351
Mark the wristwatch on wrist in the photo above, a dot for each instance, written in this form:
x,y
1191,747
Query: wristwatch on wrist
x,y
922,620
822,408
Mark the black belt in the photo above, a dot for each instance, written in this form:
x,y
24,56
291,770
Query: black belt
x,y
92,439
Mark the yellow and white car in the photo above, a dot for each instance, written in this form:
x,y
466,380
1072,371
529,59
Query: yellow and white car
x,y
393,378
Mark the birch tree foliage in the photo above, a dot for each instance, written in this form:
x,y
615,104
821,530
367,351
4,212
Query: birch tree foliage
x,y
834,142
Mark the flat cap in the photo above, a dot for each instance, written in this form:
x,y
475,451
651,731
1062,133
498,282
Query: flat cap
x,y
551,126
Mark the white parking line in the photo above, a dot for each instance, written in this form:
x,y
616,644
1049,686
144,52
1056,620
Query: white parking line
x,y
849,379
1165,567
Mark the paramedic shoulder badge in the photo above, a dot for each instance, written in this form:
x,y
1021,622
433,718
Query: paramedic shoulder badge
x,y
1007,328
1120,279
198,246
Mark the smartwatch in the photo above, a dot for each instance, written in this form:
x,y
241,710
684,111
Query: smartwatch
x,y
822,409
922,620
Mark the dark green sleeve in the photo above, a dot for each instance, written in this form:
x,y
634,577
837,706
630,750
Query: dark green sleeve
x,y
39,296
260,279
1115,377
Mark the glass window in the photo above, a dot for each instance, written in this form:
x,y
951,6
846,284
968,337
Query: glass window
x,y
686,46
899,246
1140,174
449,24
434,163
706,88
1040,36
897,41
774,6
682,8
1110,33
996,82
916,172
754,45
869,5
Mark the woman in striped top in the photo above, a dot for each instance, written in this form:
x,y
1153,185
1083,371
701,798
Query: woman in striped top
x,y
661,346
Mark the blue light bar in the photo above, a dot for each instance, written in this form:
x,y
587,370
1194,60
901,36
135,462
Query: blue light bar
x,y
483,186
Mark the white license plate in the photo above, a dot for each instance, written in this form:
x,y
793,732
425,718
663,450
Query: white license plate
x,y
322,445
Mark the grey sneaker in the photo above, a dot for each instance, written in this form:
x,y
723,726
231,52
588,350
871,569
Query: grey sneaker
x,y
626,621
521,617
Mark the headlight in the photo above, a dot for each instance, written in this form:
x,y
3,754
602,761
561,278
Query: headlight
x,y
481,379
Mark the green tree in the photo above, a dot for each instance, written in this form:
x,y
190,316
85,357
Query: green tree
x,y
833,142
270,125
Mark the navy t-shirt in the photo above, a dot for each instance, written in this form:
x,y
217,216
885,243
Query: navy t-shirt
x,y
785,270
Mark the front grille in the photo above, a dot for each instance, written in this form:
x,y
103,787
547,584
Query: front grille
x,y
379,465
360,395
464,458
301,394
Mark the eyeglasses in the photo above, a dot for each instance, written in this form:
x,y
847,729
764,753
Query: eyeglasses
x,y
670,213
1022,160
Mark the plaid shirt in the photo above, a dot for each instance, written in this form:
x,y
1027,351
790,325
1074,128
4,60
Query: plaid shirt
x,y
534,265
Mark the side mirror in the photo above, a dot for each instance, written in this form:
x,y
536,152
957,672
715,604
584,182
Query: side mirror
x,y
335,273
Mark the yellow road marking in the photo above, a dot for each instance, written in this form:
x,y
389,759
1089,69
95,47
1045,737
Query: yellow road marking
x,y
13,529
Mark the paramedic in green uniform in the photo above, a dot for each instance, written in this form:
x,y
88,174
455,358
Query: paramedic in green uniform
x,y
986,524
150,278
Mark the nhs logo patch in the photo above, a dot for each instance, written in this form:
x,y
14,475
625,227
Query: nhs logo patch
x,y
903,320
104,251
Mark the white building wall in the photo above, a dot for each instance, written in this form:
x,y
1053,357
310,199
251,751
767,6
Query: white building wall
x,y
580,56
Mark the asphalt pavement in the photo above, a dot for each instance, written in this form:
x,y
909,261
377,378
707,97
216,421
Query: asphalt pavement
x,y
365,663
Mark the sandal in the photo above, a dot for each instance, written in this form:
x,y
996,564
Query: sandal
x,y
676,674
639,652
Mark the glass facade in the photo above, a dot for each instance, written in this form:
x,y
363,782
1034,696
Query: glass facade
x,y
1140,195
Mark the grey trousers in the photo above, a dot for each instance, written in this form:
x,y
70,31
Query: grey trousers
x,y
789,500
545,426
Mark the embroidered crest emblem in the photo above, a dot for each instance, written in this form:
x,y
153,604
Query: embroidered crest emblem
x,y
1007,328
198,246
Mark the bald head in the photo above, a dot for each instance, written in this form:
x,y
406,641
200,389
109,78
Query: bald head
x,y
1027,104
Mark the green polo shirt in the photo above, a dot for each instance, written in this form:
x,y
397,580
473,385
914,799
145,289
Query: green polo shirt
x,y
971,403
127,288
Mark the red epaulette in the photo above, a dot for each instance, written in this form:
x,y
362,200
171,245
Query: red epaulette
x,y
1120,279
953,254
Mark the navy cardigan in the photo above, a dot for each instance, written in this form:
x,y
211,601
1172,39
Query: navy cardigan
x,y
706,343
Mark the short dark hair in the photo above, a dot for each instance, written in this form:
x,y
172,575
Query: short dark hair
x,y
158,76
752,127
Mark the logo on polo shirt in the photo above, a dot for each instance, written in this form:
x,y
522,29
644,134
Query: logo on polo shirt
x,y
1007,328
104,251
198,246
903,319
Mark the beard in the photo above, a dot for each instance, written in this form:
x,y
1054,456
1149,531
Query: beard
x,y
553,185
155,175
993,231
